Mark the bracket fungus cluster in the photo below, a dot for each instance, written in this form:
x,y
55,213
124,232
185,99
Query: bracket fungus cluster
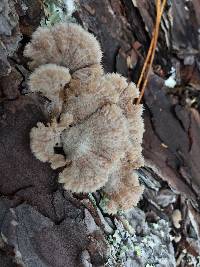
x,y
91,116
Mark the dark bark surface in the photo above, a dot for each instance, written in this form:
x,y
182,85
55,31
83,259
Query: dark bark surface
x,y
171,138
41,224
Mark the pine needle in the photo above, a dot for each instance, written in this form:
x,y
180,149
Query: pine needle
x,y
151,52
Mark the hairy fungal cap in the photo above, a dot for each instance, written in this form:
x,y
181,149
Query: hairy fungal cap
x,y
99,127
65,44
93,146
123,188
49,79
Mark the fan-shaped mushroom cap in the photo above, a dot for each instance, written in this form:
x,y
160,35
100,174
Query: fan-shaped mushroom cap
x,y
50,80
122,189
68,45
102,144
93,147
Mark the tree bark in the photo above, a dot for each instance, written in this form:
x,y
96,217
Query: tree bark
x,y
40,223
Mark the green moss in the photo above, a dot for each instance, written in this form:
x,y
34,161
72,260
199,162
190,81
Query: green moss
x,y
56,11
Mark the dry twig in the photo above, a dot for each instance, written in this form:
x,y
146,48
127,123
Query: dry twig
x,y
151,53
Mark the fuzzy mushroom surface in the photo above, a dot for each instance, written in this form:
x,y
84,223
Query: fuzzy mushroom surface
x,y
92,116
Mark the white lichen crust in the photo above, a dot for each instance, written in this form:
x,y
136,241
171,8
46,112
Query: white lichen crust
x,y
93,116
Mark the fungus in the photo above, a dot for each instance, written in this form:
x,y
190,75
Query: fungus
x,y
176,218
45,138
50,80
68,45
93,116
122,189
93,146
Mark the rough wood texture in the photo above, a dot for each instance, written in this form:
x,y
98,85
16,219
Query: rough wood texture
x,y
30,196
172,123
